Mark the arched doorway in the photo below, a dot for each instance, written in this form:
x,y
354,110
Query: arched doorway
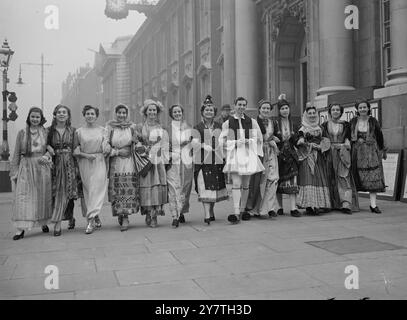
x,y
291,64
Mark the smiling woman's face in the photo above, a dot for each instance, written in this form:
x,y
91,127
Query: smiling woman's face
x,y
265,110
35,119
62,115
121,114
152,112
363,109
336,112
177,113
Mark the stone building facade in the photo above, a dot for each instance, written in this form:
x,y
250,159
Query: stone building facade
x,y
261,48
112,67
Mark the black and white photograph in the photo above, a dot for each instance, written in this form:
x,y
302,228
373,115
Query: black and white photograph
x,y
203,156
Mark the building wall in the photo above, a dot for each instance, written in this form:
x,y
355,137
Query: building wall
x,y
174,57
84,89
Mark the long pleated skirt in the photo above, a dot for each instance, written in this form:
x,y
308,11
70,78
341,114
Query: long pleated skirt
x,y
314,188
33,195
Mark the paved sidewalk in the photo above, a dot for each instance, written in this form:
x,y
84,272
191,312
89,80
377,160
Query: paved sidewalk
x,y
259,259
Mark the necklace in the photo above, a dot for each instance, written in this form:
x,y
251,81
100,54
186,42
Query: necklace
x,y
35,137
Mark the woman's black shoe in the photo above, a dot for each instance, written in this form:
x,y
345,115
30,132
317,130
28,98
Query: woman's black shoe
x,y
45,229
181,219
280,212
19,236
213,218
71,225
375,210
318,212
175,223
309,212
208,221
233,219
245,216
273,214
347,211
295,214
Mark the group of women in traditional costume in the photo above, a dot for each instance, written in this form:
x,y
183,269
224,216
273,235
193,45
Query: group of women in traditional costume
x,y
143,167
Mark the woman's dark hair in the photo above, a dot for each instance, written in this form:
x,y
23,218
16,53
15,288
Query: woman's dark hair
x,y
358,103
119,107
241,99
261,102
38,110
172,109
88,107
310,108
333,104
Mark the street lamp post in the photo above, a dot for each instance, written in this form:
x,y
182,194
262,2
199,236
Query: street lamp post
x,y
5,57
42,65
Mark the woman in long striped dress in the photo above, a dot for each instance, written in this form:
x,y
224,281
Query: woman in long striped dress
x,y
180,168
61,143
153,139
31,173
262,200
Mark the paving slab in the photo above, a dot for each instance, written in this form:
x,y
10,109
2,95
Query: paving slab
x,y
179,290
297,294
67,283
6,272
169,273
257,283
145,260
45,297
65,267
207,254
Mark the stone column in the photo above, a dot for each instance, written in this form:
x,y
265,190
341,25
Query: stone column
x,y
229,63
398,29
246,46
336,48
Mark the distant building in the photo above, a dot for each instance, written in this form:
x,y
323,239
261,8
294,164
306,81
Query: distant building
x,y
80,89
112,66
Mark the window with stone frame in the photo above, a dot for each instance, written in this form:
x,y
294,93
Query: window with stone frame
x,y
386,38
188,35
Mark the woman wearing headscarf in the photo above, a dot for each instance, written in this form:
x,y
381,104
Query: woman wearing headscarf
x,y
287,159
61,144
123,188
210,181
314,188
342,187
262,200
243,141
153,140
91,152
368,151
31,172
180,167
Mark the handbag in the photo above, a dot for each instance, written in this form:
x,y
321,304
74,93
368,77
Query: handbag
x,y
143,163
